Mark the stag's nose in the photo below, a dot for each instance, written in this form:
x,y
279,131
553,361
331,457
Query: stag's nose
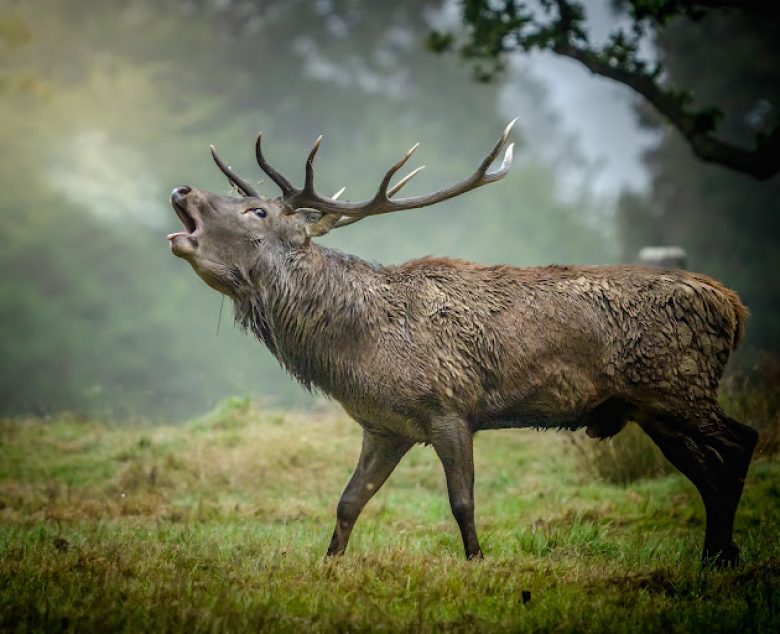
x,y
180,192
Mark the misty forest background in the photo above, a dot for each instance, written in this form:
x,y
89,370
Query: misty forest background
x,y
107,105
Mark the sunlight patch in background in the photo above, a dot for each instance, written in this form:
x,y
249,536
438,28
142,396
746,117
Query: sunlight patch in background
x,y
108,179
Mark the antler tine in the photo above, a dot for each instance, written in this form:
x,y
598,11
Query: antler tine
x,y
395,188
244,187
308,186
494,152
382,191
337,194
506,163
275,176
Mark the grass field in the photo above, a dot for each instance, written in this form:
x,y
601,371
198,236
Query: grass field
x,y
222,525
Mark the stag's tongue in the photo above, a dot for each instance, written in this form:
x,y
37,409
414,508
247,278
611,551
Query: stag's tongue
x,y
171,236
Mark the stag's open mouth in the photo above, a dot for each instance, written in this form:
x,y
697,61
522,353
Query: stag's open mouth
x,y
190,224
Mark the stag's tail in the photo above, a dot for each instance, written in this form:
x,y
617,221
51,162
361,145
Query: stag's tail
x,y
728,304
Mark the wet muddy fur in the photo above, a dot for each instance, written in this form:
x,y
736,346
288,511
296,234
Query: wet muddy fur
x,y
435,349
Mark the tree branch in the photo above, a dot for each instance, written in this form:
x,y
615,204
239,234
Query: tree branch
x,y
761,163
495,30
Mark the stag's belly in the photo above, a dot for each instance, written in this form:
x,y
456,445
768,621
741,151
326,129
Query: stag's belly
x,y
559,396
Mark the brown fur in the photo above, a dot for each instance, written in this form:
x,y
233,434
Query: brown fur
x,y
739,310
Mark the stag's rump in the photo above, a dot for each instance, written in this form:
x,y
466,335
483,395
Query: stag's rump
x,y
662,340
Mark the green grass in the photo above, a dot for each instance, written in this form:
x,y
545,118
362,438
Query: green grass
x,y
222,525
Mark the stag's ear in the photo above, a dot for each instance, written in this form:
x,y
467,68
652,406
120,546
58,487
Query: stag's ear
x,y
309,214
316,222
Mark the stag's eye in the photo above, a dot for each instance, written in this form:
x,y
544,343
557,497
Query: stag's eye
x,y
258,211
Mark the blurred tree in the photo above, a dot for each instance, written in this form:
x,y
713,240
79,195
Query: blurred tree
x,y
497,27
730,225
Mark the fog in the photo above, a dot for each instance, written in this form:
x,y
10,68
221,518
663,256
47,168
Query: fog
x,y
109,105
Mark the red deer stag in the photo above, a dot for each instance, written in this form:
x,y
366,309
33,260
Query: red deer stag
x,y
437,349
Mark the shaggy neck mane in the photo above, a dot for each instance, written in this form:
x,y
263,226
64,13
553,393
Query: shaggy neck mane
x,y
311,311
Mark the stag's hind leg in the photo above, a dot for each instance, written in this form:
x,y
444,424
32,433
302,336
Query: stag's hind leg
x,y
714,452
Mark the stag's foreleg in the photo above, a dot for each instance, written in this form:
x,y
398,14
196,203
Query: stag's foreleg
x,y
452,439
714,453
379,455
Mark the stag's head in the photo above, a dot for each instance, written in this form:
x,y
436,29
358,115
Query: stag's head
x,y
226,238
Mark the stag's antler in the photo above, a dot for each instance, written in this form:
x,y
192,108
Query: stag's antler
x,y
338,213
381,202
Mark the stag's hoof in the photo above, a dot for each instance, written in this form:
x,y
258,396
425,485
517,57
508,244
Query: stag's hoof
x,y
725,557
